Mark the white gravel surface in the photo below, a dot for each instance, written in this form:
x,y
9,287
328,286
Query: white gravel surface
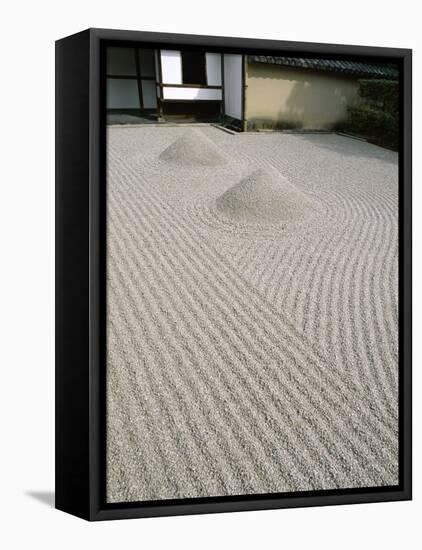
x,y
252,339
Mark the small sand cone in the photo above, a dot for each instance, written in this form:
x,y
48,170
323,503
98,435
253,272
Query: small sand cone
x,y
193,149
264,196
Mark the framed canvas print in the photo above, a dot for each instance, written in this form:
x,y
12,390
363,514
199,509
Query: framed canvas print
x,y
233,327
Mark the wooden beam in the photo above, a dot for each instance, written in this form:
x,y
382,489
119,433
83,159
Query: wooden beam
x,y
191,100
162,85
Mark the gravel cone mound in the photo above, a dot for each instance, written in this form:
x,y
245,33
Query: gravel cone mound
x,y
264,196
193,149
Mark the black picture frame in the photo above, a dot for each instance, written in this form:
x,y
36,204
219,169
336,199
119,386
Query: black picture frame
x,y
80,281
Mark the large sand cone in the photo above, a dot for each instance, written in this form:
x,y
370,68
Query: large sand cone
x,y
264,196
194,149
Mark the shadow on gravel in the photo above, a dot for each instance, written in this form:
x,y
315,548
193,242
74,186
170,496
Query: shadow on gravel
x,y
351,147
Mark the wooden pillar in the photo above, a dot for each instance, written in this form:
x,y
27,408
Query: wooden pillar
x,y
244,92
160,87
223,104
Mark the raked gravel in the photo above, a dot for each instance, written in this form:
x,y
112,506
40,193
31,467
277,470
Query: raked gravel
x,y
252,340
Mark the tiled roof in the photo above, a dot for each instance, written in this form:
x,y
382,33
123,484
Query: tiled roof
x,y
369,70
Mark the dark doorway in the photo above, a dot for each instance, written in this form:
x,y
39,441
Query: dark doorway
x,y
193,68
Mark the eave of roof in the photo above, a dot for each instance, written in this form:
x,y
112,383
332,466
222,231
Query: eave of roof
x,y
356,68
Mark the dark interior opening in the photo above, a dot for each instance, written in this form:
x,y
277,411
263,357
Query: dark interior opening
x,y
192,111
193,68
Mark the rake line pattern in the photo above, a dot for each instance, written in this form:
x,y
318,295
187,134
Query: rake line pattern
x,y
242,365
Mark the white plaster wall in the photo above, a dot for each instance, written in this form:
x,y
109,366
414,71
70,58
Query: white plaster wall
x,y
191,93
171,66
233,85
213,64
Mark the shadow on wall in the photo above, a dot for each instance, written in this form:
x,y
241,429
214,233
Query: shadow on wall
x,y
311,102
317,106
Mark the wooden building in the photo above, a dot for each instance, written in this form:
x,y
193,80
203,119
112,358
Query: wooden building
x,y
172,84
246,92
